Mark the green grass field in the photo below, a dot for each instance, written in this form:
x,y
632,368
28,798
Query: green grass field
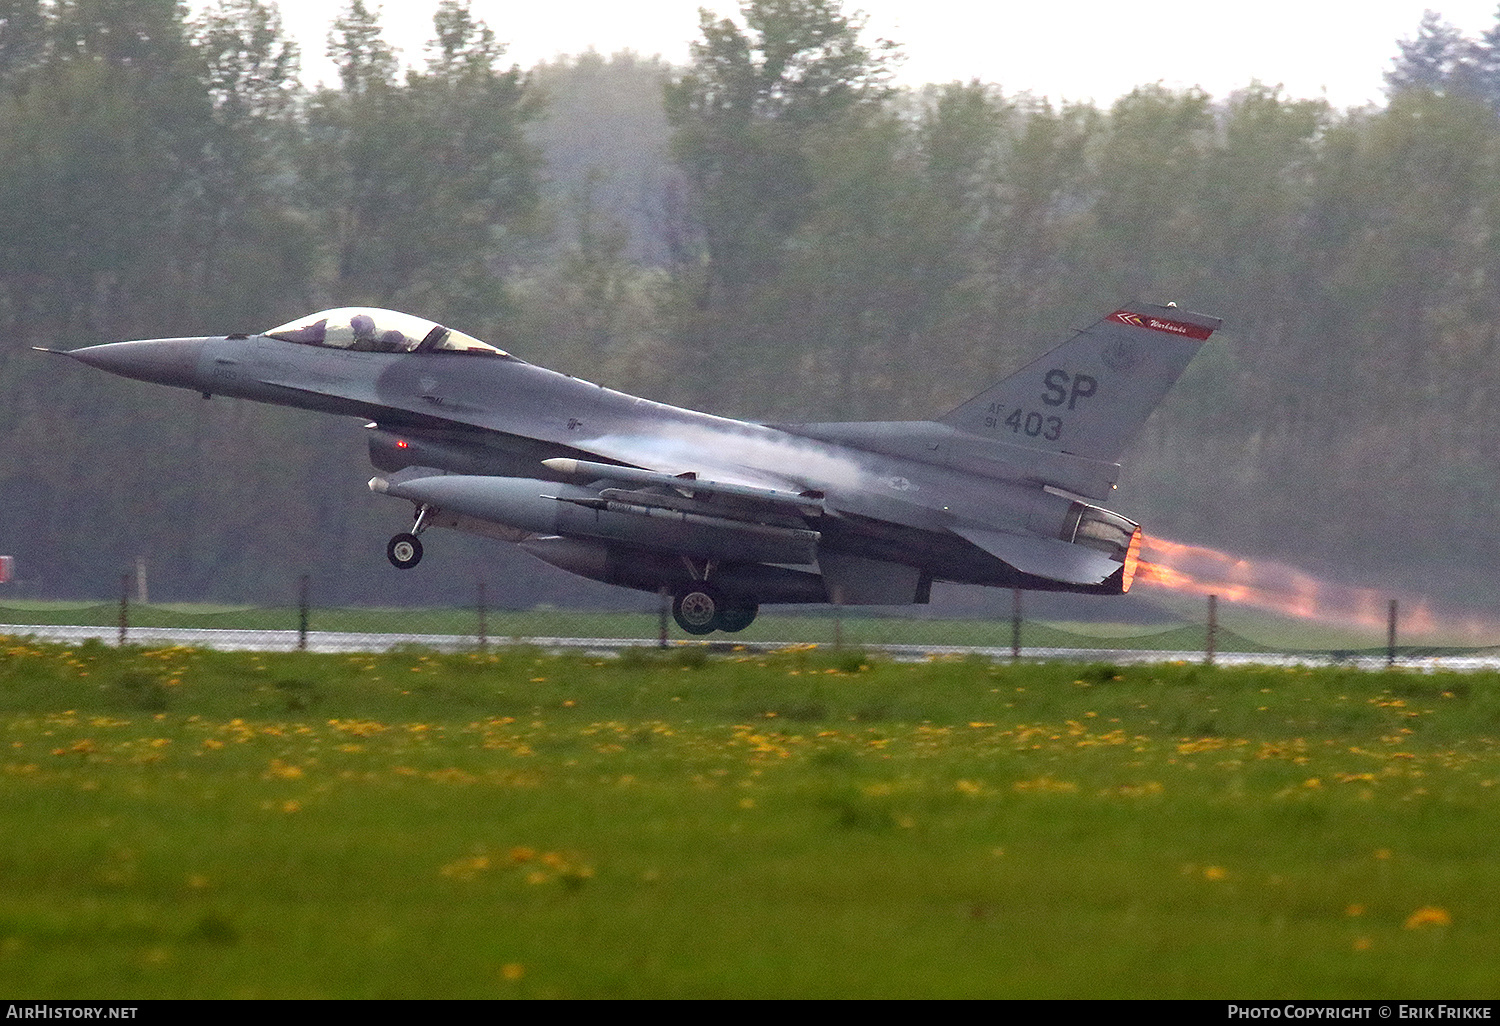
x,y
182,823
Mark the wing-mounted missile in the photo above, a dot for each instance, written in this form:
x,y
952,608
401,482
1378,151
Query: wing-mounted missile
x,y
647,503
670,499
806,503
455,449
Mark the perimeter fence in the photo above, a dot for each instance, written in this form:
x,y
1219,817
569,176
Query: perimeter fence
x,y
301,624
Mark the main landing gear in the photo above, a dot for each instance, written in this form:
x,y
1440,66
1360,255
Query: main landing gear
x,y
701,608
405,550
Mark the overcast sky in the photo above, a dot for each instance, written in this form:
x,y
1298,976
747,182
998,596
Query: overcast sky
x,y
1064,49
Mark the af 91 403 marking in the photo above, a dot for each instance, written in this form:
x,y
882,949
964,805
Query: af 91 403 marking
x,y
1030,423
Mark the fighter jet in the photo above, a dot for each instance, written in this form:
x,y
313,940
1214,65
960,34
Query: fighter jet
x,y
724,515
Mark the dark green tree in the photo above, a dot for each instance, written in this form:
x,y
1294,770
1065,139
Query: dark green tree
x,y
1431,60
252,240
23,39
426,187
745,116
98,150
366,62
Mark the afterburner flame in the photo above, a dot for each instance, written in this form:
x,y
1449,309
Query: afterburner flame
x,y
1266,584
1132,560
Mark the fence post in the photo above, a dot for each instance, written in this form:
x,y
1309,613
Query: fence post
x,y
302,615
1213,630
1015,624
124,606
484,639
1390,636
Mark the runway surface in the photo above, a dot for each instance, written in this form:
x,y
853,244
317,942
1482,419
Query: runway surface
x,y
336,641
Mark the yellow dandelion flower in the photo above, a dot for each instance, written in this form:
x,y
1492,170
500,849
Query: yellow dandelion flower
x,y
466,869
512,971
1428,915
1215,873
1363,944
1354,910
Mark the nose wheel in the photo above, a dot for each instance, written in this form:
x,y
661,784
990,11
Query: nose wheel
x,y
404,551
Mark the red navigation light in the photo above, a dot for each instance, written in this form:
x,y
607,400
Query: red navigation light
x,y
401,444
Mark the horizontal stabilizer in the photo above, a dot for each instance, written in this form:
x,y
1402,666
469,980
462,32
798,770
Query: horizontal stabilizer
x,y
1043,557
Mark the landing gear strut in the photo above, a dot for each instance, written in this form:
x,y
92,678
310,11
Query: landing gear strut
x,y
701,608
405,550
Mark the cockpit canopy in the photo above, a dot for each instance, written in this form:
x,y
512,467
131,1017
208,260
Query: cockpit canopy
x,y
368,329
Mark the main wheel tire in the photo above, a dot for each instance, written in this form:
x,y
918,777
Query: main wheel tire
x,y
696,608
404,551
738,617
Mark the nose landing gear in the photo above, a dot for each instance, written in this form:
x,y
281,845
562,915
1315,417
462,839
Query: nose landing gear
x,y
405,550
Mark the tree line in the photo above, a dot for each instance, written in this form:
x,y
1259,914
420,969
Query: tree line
x,y
773,231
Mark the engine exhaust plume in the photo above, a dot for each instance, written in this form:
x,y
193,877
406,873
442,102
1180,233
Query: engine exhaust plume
x,y
1277,587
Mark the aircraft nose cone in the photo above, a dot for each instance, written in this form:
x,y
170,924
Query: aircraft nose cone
x,y
166,361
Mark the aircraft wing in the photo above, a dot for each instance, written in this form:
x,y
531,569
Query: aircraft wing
x,y
1043,557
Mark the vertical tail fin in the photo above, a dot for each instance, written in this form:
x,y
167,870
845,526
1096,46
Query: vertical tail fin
x,y
1090,395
